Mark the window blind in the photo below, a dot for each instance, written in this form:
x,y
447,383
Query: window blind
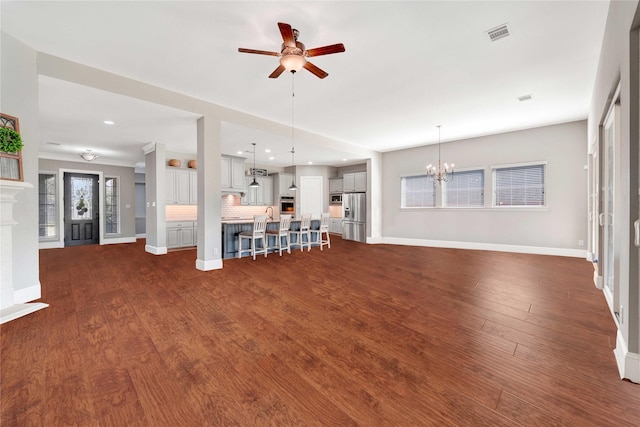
x,y
520,186
418,192
466,189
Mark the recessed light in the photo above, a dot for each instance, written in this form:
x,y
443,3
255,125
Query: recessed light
x,y
108,122
310,163
239,152
267,150
271,158
344,160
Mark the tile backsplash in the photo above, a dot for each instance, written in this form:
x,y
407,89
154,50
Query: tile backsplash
x,y
231,207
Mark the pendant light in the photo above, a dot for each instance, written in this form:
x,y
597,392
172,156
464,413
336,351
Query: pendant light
x,y
292,187
441,174
254,183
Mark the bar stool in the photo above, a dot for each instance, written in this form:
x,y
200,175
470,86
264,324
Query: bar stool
x,y
258,232
324,228
305,224
282,231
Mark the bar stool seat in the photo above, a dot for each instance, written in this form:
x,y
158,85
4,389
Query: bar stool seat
x,y
280,233
324,228
305,224
258,233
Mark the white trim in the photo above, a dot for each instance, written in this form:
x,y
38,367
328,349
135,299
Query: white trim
x,y
149,148
109,241
18,310
536,250
628,363
518,165
212,264
156,250
51,245
141,236
23,295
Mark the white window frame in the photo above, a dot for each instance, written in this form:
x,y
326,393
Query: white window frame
x,y
495,168
459,172
402,192
56,235
119,198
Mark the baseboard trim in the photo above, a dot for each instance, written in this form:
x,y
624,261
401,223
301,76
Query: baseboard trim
x,y
50,245
18,310
628,363
155,250
118,240
535,250
31,293
212,264
141,236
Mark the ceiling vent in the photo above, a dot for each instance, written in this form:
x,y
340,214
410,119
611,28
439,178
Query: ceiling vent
x,y
525,97
498,32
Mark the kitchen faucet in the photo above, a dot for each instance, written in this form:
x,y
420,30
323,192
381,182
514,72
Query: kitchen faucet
x,y
267,211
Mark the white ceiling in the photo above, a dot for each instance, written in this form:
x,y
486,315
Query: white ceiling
x,y
408,67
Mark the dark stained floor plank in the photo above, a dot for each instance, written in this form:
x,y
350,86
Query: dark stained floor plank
x,y
371,335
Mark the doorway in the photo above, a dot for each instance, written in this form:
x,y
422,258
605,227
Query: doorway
x,y
81,209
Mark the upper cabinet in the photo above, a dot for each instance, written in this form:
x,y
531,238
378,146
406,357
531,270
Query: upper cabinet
x,y
262,195
232,173
355,181
181,186
281,184
335,185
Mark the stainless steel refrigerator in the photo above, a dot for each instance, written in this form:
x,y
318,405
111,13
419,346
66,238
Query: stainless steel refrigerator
x,y
355,217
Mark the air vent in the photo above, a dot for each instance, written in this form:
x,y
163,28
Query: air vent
x,y
525,97
498,32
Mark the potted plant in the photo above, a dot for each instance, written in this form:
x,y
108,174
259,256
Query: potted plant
x,y
10,141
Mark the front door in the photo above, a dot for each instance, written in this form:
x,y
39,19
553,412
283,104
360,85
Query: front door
x,y
82,216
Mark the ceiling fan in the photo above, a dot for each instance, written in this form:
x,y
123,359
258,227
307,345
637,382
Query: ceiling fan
x,y
293,55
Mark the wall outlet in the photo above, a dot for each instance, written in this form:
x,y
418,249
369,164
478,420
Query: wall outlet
x,y
581,243
215,251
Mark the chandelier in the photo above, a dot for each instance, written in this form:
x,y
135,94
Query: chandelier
x,y
440,174
292,187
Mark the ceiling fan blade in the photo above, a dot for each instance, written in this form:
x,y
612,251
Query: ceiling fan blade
x,y
259,52
315,70
287,34
326,50
276,73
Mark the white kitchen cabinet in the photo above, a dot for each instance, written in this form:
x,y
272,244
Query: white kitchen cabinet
x,y
193,187
335,225
178,186
180,234
232,173
261,196
354,181
335,185
281,184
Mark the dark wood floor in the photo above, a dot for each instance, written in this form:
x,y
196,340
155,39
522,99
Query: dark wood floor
x,y
356,335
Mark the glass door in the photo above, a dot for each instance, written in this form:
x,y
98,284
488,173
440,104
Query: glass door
x,y
607,215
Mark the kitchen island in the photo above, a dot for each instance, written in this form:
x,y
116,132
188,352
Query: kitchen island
x,y
231,227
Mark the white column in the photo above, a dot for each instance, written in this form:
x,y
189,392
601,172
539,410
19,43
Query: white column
x,y
9,310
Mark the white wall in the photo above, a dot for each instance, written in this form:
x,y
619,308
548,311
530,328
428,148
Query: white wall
x,y
19,98
559,226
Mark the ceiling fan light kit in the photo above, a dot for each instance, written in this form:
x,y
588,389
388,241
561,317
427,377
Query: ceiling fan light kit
x,y
293,54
